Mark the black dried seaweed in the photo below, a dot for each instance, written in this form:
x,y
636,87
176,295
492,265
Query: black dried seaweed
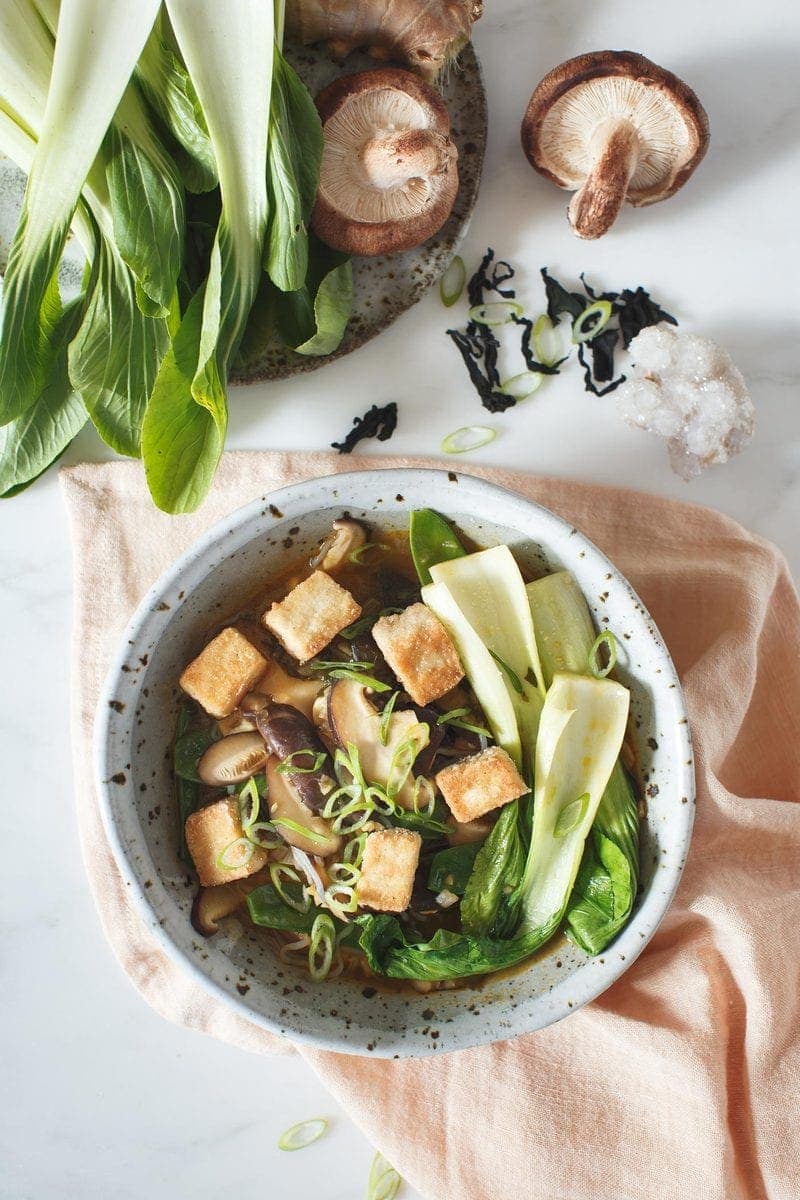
x,y
482,281
588,378
636,311
473,349
602,349
525,346
559,300
377,422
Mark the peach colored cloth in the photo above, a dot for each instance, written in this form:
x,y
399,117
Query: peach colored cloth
x,y
683,1081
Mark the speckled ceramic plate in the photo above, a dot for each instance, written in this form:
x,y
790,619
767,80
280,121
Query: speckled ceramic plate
x,y
383,287
137,714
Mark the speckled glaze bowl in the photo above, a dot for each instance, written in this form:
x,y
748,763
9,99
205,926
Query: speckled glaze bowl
x,y
136,719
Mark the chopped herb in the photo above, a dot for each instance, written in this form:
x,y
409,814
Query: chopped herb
x,y
377,422
511,674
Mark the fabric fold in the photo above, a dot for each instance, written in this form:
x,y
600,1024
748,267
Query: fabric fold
x,y
682,1080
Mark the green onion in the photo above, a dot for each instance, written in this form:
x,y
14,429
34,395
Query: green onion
x,y
280,871
546,342
608,640
362,625
384,1182
323,944
571,816
303,1134
404,756
368,681
423,785
302,830
454,718
497,312
249,804
522,386
287,766
451,284
271,839
469,437
513,677
357,555
386,716
354,850
236,854
331,664
593,318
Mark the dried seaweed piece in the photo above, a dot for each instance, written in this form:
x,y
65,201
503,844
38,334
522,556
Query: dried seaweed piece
x,y
472,348
531,362
559,300
481,282
588,378
602,349
636,311
377,422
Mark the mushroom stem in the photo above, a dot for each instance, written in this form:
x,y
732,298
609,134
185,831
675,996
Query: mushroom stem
x,y
392,159
595,206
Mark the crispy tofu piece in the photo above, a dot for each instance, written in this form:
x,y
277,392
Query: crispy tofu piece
x,y
481,783
419,650
223,673
211,830
311,615
388,869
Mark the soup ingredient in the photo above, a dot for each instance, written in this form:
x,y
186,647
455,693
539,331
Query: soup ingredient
x,y
233,759
386,760
419,650
345,537
384,1181
312,320
312,614
451,284
296,823
451,868
190,747
284,688
388,869
266,908
686,389
219,849
427,37
303,1134
211,905
431,540
491,897
225,670
388,177
580,735
301,756
377,422
605,888
612,126
467,439
477,785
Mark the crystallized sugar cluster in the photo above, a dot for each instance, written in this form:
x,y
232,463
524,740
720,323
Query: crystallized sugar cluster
x,y
686,389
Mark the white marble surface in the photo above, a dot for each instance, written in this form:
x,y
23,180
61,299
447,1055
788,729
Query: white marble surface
x,y
102,1098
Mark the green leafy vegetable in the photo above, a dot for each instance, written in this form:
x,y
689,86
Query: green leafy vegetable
x,y
189,749
491,904
451,868
312,319
431,540
266,908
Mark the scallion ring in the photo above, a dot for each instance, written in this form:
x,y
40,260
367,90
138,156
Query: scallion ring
x,y
264,835
496,312
303,1134
384,1181
386,716
323,944
303,830
354,850
249,804
278,872
511,675
357,556
571,816
338,664
451,284
288,765
455,718
608,640
522,386
236,854
367,681
546,341
468,438
593,318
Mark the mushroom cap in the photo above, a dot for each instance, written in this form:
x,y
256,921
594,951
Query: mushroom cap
x,y
577,98
388,178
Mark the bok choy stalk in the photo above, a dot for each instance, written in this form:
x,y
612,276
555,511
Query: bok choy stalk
x,y
186,419
98,45
606,884
580,735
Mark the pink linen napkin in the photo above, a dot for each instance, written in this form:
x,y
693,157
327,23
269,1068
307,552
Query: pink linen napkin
x,y
682,1081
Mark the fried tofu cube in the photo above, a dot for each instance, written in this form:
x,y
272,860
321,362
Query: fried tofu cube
x,y
388,868
479,784
223,672
212,830
420,651
310,617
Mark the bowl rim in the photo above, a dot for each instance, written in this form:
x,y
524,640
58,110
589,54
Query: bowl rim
x,y
631,939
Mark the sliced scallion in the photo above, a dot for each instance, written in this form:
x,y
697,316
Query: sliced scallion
x,y
323,944
496,312
354,850
451,284
456,718
571,816
357,556
236,854
368,681
303,1134
546,342
264,835
302,830
333,664
608,640
249,804
522,386
384,1181
282,873
469,437
289,765
593,318
386,716
511,675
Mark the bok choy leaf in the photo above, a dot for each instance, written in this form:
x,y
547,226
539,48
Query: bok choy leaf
x,y
181,446
580,734
97,48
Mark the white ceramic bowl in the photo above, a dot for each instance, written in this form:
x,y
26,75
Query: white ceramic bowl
x,y
136,718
